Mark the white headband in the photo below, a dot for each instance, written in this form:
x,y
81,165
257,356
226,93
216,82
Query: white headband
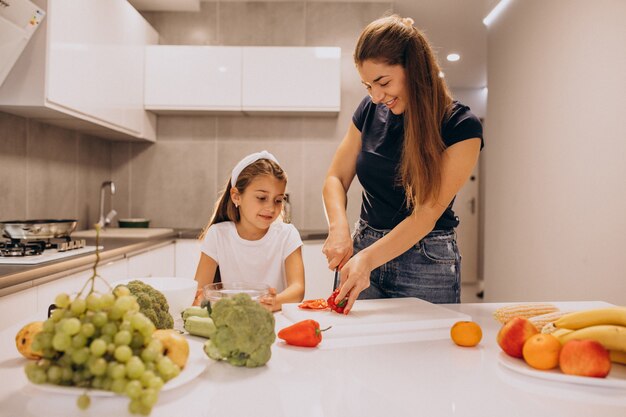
x,y
247,161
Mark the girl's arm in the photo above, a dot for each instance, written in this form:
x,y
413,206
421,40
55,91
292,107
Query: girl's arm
x,y
294,270
459,161
205,274
338,245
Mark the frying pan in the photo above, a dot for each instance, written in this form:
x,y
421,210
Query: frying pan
x,y
37,229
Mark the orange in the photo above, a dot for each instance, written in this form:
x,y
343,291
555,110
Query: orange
x,y
541,351
466,333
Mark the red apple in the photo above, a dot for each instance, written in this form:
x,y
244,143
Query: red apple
x,y
513,334
585,358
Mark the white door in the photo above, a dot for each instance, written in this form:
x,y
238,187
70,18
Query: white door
x,y
466,208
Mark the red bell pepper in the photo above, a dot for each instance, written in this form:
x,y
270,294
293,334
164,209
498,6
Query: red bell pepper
x,y
334,306
305,333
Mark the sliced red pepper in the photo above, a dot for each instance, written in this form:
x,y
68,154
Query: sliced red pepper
x,y
317,304
334,306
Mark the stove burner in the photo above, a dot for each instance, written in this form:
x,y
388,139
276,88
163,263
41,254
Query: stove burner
x,y
17,247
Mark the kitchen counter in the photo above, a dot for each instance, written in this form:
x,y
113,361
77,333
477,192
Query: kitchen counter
x,y
399,378
14,278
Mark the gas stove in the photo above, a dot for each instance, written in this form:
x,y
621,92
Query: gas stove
x,y
30,252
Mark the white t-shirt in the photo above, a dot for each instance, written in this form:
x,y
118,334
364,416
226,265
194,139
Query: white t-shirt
x,y
260,260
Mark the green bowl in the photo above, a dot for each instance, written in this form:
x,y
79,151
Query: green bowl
x,y
137,223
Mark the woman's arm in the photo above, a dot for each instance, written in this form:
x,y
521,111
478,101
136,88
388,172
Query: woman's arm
x,y
205,274
294,270
459,161
338,245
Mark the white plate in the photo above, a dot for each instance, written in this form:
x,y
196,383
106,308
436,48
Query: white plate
x,y
615,379
196,364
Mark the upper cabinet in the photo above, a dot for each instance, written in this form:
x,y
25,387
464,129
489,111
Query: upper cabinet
x,y
84,69
193,78
291,79
253,80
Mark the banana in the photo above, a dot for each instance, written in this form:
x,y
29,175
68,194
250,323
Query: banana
x,y
595,317
618,356
558,333
610,336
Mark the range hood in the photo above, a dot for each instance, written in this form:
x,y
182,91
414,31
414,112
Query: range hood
x,y
18,21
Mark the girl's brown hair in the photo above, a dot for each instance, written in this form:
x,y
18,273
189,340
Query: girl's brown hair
x,y
225,209
395,41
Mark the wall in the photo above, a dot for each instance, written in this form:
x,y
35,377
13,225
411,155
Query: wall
x,y
50,172
176,181
555,173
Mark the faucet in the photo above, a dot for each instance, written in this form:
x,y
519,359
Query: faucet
x,y
102,220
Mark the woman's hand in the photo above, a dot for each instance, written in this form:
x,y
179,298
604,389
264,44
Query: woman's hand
x,y
338,249
355,277
269,301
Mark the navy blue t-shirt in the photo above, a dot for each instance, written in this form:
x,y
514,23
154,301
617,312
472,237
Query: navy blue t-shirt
x,y
378,163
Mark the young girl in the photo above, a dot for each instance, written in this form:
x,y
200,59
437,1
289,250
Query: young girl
x,y
244,239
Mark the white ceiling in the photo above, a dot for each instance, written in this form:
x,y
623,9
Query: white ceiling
x,y
450,25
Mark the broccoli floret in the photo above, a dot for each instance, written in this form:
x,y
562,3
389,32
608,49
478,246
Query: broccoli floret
x,y
152,303
244,332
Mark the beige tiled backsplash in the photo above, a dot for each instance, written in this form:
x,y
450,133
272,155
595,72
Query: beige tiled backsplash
x,y
53,172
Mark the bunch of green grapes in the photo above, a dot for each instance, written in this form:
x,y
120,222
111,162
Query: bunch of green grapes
x,y
102,342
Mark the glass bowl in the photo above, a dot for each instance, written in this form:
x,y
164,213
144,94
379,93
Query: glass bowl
x,y
257,291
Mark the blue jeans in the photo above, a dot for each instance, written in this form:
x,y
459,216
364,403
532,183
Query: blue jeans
x,y
430,270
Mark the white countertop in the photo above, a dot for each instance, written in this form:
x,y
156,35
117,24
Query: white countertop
x,y
400,377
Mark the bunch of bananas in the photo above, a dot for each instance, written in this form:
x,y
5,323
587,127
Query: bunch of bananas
x,y
605,325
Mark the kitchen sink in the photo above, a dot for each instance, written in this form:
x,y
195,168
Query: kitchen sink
x,y
129,233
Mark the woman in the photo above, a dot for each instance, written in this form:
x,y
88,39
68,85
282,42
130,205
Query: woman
x,y
412,148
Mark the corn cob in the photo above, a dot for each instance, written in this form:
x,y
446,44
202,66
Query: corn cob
x,y
541,320
504,314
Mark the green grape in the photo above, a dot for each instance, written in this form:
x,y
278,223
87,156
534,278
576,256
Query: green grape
x,y
81,355
61,341
111,348
116,312
107,300
68,313
78,341
146,377
36,345
87,329
126,325
135,406
57,314
67,374
98,366
43,364
123,337
54,374
93,302
138,341
99,319
121,291
117,371
139,321
62,300
156,383
78,306
37,376
150,366
149,397
110,328
44,339
123,353
118,386
106,383
98,347
124,303
135,368
70,326
48,326
148,330
133,389
66,358
166,368
107,338
83,402
97,382
149,354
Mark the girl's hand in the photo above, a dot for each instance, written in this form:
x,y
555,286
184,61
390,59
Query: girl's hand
x,y
338,248
269,301
355,277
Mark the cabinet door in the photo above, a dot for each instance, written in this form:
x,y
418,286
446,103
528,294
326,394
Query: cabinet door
x,y
96,52
187,257
318,279
301,79
193,78
154,263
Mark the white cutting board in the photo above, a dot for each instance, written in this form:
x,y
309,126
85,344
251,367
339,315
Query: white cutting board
x,y
382,316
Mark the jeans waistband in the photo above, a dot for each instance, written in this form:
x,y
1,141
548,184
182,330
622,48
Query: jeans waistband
x,y
362,226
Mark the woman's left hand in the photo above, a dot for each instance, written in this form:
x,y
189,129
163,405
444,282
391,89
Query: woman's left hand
x,y
355,277
269,301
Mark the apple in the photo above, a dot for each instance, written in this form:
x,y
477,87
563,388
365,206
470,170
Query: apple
x,y
175,346
585,358
513,334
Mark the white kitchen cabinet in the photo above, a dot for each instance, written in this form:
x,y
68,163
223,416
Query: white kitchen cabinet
x,y
318,278
157,262
192,78
84,68
291,79
17,307
187,257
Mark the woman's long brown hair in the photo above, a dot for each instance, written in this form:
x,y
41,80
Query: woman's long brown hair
x,y
225,209
395,41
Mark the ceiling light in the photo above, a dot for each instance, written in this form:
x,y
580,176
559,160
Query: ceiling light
x,y
453,57
493,14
